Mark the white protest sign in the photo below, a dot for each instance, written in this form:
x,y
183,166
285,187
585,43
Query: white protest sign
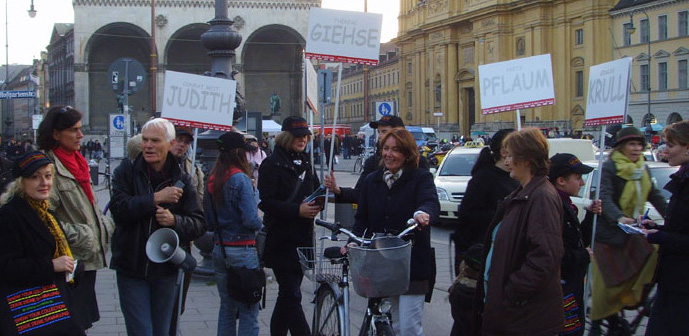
x,y
199,101
343,36
516,84
606,102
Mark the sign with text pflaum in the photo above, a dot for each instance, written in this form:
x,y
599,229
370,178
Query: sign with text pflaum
x,y
199,101
344,36
516,84
606,102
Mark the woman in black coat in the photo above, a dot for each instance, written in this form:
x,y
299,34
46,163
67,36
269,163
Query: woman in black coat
x,y
286,179
392,194
670,311
33,247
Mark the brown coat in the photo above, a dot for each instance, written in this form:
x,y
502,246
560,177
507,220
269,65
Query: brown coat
x,y
524,295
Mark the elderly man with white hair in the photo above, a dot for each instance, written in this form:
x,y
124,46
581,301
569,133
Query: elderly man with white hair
x,y
147,196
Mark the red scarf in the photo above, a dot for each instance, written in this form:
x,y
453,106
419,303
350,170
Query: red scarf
x,y
227,175
77,166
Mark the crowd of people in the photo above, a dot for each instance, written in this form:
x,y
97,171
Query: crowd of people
x,y
522,251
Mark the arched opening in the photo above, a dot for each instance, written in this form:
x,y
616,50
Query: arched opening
x,y
106,45
185,52
272,64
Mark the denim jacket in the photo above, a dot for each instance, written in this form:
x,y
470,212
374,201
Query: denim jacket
x,y
237,215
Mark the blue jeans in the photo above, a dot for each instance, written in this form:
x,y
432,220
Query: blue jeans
x,y
229,307
147,304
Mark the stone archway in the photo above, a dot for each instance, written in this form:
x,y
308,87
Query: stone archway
x,y
185,52
106,45
272,63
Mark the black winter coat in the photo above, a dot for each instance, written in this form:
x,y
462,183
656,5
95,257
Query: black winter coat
x,y
286,230
673,259
133,210
487,187
387,210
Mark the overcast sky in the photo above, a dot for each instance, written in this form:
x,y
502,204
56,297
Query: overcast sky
x,y
28,37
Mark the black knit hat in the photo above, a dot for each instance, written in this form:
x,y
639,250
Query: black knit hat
x,y
629,133
388,120
232,140
563,164
28,163
296,125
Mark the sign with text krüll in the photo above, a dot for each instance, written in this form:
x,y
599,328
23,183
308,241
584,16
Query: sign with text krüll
x,y
199,101
516,84
606,102
343,36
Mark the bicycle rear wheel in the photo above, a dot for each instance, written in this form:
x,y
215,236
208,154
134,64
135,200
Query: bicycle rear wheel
x,y
326,315
358,165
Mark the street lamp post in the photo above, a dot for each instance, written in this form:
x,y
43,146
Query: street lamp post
x,y
631,30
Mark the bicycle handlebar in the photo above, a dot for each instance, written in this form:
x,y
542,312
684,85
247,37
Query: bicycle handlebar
x,y
335,229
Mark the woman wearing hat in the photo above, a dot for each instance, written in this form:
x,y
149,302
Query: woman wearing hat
x,y
231,212
74,201
33,247
625,187
286,179
670,311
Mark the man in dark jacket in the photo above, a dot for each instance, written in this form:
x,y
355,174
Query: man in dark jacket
x,y
147,197
565,174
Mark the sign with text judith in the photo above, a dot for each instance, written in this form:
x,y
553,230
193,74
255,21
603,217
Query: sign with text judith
x,y
343,36
199,101
608,93
516,84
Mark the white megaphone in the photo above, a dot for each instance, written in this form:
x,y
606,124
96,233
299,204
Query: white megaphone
x,y
163,246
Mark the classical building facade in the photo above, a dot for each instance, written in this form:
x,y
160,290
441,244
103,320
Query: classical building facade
x,y
268,60
660,85
443,42
61,65
355,108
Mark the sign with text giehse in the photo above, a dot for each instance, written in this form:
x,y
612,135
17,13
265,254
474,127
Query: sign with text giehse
x,y
516,84
606,102
343,36
199,101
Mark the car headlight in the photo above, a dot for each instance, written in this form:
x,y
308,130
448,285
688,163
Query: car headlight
x,y
442,194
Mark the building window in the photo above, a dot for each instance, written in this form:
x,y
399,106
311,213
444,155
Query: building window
x,y
580,83
579,36
662,76
645,31
627,37
683,23
682,75
662,27
409,68
409,99
645,80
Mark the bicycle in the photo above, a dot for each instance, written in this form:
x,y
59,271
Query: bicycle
x,y
627,324
331,314
359,163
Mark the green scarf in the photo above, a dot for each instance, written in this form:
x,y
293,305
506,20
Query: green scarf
x,y
638,186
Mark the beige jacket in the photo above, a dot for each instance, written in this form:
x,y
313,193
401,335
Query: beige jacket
x,y
88,231
196,179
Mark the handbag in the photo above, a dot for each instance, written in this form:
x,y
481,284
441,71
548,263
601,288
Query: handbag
x,y
37,311
246,285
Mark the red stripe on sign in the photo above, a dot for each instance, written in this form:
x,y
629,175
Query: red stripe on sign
x,y
197,124
604,121
341,59
512,107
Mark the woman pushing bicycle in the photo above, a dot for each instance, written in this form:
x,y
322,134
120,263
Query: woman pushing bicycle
x,y
396,191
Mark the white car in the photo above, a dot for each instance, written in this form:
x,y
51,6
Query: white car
x,y
451,179
660,176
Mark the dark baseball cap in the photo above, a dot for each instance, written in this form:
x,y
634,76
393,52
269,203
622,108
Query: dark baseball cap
x,y
28,163
184,130
232,140
562,164
387,120
296,125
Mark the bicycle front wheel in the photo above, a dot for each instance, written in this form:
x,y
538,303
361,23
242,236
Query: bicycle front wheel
x,y
358,165
326,315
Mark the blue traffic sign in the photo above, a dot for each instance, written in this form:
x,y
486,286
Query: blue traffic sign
x,y
384,108
118,123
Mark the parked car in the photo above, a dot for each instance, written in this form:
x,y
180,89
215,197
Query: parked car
x,y
660,176
452,177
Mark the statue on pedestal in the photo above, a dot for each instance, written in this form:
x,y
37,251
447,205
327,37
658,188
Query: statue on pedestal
x,y
275,104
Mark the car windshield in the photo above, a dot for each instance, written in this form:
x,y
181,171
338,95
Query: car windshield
x,y
661,176
430,136
458,164
418,136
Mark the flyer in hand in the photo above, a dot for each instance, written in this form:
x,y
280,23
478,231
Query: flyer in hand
x,y
318,196
630,229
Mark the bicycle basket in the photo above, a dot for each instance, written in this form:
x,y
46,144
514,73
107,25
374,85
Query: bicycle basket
x,y
318,268
380,272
